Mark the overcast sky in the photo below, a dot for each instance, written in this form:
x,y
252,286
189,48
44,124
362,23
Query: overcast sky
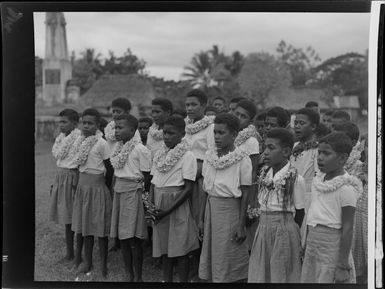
x,y
168,40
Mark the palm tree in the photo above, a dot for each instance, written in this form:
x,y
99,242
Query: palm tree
x,y
199,72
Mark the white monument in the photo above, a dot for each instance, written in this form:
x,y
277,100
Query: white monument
x,y
57,69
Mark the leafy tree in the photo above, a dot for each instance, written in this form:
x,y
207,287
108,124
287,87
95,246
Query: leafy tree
x,y
300,62
262,72
199,71
346,74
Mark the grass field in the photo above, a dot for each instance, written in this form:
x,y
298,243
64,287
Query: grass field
x,y
49,237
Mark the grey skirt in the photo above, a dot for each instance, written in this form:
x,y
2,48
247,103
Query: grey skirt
x,y
321,256
92,207
176,234
275,255
62,195
222,259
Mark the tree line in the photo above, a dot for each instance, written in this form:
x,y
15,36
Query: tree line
x,y
231,75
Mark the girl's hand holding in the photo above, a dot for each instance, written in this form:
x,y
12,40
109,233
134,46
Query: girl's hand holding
x,y
159,214
239,235
200,230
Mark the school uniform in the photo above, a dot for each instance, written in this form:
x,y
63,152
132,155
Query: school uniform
x,y
324,226
224,260
92,205
128,219
63,191
176,234
307,166
275,254
200,143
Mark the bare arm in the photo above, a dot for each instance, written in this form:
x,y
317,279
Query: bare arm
x,y
183,196
342,270
147,181
299,215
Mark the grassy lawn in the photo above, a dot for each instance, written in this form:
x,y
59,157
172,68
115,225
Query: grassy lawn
x,y
49,237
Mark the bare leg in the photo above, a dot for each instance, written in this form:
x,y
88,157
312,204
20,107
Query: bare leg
x,y
79,248
127,258
69,242
167,268
103,248
183,268
88,247
137,257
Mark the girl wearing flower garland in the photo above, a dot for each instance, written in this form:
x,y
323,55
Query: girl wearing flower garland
x,y
66,179
328,257
248,139
91,215
305,152
161,109
200,135
175,233
275,256
227,179
132,164
119,106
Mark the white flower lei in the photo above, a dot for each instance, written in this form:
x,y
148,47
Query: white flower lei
x,y
354,156
193,128
109,131
155,132
226,160
245,134
82,147
63,144
121,153
334,184
165,159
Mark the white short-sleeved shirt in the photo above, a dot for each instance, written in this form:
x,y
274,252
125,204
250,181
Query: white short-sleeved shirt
x,y
153,145
67,163
98,153
306,164
184,169
201,141
326,207
273,200
138,161
227,182
251,145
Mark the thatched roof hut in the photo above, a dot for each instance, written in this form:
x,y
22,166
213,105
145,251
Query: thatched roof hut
x,y
138,89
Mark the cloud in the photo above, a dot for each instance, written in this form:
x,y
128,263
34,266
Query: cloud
x,y
171,39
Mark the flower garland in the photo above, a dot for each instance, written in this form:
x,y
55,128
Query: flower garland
x,y
121,153
245,134
304,146
253,213
82,147
354,156
63,144
193,128
109,131
155,132
275,186
165,159
334,184
227,160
